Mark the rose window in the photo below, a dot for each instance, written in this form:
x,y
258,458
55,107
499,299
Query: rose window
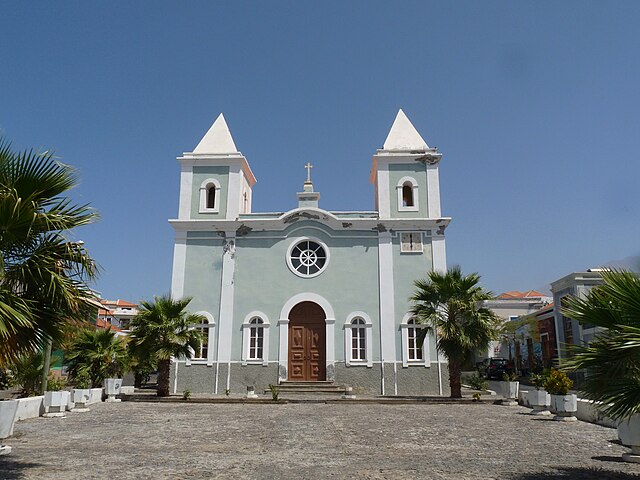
x,y
308,258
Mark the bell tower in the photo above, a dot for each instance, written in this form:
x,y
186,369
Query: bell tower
x,y
216,181
405,174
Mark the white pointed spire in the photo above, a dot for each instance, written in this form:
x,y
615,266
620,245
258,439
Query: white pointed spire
x,y
404,136
218,139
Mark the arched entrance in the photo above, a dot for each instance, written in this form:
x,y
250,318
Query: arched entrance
x,y
307,342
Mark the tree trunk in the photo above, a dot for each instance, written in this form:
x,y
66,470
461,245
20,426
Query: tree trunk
x,y
163,377
45,367
138,377
455,371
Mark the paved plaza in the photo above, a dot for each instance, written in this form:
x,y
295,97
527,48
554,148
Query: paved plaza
x,y
373,441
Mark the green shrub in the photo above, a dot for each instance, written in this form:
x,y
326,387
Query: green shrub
x,y
81,379
538,380
55,384
510,377
558,383
477,382
275,392
28,374
186,394
6,378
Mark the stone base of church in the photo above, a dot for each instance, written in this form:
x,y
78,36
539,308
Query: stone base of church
x,y
242,376
414,380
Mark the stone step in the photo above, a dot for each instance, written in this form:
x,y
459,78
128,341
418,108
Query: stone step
x,y
310,387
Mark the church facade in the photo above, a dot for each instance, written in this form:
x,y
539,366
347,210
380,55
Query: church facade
x,y
308,294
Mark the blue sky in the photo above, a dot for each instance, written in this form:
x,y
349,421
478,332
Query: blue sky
x,y
535,106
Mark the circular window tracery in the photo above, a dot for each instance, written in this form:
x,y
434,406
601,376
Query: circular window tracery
x,y
308,258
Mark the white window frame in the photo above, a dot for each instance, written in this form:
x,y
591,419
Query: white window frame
x,y
210,339
414,188
204,189
308,239
418,252
368,329
426,357
246,339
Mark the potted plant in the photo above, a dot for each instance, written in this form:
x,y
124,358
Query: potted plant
x,y
563,404
81,393
56,398
509,387
538,398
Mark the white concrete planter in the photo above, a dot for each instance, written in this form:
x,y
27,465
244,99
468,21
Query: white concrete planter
x,y
8,410
30,407
56,402
539,401
509,390
629,434
564,406
96,396
112,388
81,397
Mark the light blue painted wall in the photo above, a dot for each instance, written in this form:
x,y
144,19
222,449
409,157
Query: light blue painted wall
x,y
417,171
264,282
202,173
407,268
203,277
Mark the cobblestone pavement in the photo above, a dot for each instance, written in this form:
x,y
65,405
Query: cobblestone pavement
x,y
453,441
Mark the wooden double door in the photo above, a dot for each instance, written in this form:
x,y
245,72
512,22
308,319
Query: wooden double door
x,y
307,343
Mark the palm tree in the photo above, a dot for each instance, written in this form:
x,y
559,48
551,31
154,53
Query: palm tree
x,y
163,329
449,304
612,360
97,352
43,275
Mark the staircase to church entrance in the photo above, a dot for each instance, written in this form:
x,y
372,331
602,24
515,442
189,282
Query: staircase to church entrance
x,y
310,388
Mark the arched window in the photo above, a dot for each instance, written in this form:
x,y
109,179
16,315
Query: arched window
x,y
407,195
358,344
358,339
204,353
210,196
255,339
412,353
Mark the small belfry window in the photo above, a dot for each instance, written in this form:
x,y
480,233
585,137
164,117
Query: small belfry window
x,y
256,339
407,188
407,195
211,196
358,339
414,351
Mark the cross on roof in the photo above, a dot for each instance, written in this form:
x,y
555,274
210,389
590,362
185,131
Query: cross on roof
x,y
308,166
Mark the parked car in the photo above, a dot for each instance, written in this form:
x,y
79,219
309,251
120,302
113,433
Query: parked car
x,y
494,368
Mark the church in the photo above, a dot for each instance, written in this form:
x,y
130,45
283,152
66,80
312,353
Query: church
x,y
308,295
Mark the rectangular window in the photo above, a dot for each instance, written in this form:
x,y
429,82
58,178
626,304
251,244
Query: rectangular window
x,y
256,343
411,242
358,348
415,352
